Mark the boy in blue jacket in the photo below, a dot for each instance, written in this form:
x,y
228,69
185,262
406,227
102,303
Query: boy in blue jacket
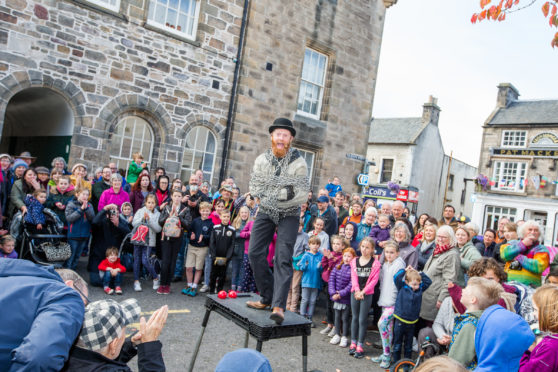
x,y
311,266
410,285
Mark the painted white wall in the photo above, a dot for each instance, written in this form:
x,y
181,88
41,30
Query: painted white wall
x,y
460,171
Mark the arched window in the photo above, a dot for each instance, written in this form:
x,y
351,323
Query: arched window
x,y
199,153
133,134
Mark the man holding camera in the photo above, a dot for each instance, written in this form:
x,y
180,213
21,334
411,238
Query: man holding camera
x,y
109,229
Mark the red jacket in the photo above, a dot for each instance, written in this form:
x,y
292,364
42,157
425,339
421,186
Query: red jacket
x,y
105,264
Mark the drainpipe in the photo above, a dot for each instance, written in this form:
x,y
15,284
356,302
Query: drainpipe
x,y
232,102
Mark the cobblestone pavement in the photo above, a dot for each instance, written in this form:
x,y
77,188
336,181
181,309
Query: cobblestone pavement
x,y
184,325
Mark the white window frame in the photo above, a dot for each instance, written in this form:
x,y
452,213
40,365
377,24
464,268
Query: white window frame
x,y
514,136
306,80
191,168
195,20
498,212
132,121
310,158
502,170
105,4
382,169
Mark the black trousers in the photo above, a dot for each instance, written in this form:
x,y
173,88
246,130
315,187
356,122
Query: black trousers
x,y
273,285
402,338
218,276
169,251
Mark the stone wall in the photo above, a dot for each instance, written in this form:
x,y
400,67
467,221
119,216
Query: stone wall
x,y
349,33
111,65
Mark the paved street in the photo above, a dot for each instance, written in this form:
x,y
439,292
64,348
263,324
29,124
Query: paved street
x,y
184,324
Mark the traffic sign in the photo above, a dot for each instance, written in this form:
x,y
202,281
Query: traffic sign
x,y
355,157
362,179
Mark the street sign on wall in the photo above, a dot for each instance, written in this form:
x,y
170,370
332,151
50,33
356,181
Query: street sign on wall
x,y
362,179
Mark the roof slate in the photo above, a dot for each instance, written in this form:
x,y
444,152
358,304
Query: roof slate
x,y
527,112
395,130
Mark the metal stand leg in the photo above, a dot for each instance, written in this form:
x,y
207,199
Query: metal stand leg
x,y
198,343
259,346
304,353
246,339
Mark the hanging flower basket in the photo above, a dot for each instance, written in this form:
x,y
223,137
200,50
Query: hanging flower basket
x,y
481,182
394,187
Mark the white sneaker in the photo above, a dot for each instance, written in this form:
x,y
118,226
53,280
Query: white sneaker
x,y
204,288
415,345
332,333
335,340
326,330
344,342
156,284
137,286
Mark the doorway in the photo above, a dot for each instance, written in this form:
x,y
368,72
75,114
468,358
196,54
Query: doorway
x,y
40,121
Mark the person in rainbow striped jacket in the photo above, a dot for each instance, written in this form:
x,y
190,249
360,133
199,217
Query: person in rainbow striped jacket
x,y
526,258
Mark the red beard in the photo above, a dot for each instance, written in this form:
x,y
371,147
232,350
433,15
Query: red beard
x,y
279,152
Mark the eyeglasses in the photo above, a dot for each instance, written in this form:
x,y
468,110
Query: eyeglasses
x,y
87,301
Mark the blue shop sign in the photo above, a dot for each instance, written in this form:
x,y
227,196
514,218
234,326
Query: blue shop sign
x,y
380,193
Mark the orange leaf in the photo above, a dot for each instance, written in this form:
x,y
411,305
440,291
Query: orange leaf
x,y
474,18
554,42
546,8
484,3
516,2
482,15
502,17
554,9
509,4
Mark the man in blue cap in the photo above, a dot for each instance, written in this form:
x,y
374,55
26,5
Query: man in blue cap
x,y
280,180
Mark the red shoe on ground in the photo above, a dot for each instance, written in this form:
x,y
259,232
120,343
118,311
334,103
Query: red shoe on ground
x,y
118,290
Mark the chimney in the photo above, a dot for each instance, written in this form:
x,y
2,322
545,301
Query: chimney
x,y
431,111
507,94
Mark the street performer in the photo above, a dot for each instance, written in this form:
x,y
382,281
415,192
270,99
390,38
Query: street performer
x,y
280,180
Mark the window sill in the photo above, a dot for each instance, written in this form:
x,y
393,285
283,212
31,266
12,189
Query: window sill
x,y
162,31
511,193
100,9
309,121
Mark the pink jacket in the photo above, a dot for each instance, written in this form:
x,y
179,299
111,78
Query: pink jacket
x,y
245,234
372,279
109,197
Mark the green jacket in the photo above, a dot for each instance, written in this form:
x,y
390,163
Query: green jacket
x,y
17,197
134,171
469,254
462,347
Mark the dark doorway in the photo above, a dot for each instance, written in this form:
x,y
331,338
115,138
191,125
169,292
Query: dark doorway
x,y
40,121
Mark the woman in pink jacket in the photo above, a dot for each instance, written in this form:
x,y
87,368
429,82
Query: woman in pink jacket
x,y
248,284
115,194
365,272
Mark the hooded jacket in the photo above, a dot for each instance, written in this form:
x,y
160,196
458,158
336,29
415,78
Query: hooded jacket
x,y
221,241
43,317
543,358
501,339
79,220
340,282
57,196
311,268
152,223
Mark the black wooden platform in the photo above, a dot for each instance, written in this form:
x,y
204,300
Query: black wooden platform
x,y
256,323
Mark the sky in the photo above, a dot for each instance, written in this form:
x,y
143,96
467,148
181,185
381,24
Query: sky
x,y
430,47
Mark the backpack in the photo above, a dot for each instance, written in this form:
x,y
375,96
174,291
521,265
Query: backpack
x,y
172,227
140,235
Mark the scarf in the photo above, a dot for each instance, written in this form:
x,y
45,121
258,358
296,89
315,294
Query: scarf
x,y
441,249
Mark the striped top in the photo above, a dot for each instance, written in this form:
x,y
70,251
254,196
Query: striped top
x,y
534,260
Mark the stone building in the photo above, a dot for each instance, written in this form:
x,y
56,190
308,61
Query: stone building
x,y
519,156
98,80
410,153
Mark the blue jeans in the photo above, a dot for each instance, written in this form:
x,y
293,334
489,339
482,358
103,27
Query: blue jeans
x,y
237,274
179,269
109,279
77,247
308,302
207,270
141,256
402,335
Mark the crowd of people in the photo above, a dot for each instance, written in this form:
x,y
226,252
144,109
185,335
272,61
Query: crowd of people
x,y
471,294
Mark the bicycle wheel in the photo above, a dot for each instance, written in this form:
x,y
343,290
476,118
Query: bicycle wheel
x,y
403,365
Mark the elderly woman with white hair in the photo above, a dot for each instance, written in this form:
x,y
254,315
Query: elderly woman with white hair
x,y
442,267
402,236
115,195
526,258
366,223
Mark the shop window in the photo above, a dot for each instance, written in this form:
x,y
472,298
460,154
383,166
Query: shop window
x,y
493,215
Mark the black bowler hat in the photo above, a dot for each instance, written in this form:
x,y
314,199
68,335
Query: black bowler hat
x,y
283,123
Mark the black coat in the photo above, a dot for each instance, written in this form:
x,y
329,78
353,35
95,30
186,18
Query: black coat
x,y
105,235
486,251
330,220
150,359
221,241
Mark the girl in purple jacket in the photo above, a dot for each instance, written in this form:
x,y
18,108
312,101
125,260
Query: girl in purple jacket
x,y
543,357
339,288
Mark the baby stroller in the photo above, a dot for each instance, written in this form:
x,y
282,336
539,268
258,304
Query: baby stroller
x,y
46,248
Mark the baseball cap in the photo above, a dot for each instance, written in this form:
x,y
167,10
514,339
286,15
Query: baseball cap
x,y
323,199
104,321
